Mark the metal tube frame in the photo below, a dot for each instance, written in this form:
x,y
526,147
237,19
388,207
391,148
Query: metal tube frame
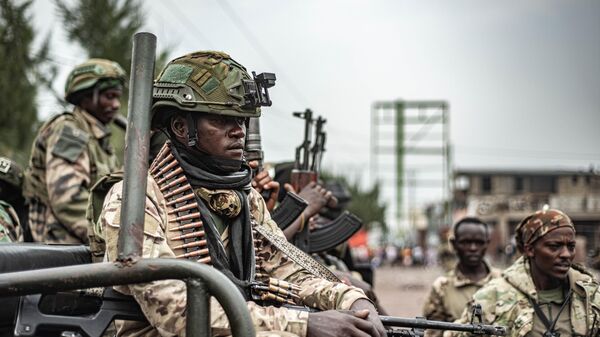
x,y
201,280
137,146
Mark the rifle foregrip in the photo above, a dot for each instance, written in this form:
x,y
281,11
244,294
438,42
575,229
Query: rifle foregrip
x,y
288,210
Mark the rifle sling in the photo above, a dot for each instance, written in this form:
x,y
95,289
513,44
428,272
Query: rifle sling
x,y
540,313
295,254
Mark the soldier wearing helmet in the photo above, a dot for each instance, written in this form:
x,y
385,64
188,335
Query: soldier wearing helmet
x,y
71,152
200,206
11,177
543,293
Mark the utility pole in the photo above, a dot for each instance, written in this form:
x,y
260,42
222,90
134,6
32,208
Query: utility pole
x,y
420,130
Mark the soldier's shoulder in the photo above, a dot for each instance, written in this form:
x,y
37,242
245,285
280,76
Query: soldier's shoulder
x,y
69,140
56,121
585,279
495,288
440,283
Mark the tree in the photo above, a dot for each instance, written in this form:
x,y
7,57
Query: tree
x,y
364,203
104,29
22,71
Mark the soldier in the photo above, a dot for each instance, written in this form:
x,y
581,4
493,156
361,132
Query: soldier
x,y
71,152
200,206
543,293
11,177
450,293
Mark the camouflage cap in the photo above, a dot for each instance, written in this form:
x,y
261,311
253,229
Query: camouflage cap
x,y
11,172
207,82
101,72
539,224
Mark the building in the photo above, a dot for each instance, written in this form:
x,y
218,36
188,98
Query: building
x,y
504,197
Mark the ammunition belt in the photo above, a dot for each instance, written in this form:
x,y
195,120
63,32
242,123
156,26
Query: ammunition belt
x,y
185,233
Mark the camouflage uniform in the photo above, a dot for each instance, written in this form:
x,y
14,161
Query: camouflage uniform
x,y
505,301
450,294
68,156
11,178
9,223
164,302
70,153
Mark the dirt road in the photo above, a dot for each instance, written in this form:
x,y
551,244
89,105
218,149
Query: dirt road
x,y
402,291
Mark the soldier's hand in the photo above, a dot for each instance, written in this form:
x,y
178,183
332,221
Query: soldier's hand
x,y
316,196
333,323
363,304
263,181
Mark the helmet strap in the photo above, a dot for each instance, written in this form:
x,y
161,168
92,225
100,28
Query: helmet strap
x,y
95,97
192,131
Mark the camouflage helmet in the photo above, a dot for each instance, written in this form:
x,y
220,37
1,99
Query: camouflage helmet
x,y
10,172
101,72
209,82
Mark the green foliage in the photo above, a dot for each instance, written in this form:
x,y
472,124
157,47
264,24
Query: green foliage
x,y
365,203
105,29
21,72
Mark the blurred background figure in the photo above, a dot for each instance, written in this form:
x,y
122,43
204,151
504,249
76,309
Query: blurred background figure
x,y
72,151
450,294
13,212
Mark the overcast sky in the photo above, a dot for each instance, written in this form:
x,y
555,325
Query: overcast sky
x,y
522,77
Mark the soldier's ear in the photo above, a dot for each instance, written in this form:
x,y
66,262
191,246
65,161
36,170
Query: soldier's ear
x,y
529,251
452,241
179,128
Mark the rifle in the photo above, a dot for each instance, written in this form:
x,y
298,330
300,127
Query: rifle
x,y
290,208
418,325
305,171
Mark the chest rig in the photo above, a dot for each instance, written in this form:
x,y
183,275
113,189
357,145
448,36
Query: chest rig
x,y
187,238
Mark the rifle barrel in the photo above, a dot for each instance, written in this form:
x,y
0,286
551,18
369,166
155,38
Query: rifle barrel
x,y
476,328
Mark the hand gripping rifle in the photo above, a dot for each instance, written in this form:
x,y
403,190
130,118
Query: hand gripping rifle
x,y
290,208
418,325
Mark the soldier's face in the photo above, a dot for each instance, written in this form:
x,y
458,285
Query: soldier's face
x,y
470,242
221,136
105,106
552,255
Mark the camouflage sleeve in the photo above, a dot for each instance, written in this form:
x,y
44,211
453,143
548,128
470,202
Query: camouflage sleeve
x,y
10,229
164,302
487,297
315,292
433,308
68,177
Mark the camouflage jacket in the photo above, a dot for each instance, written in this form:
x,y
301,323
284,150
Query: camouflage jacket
x,y
9,223
450,294
505,301
71,151
164,302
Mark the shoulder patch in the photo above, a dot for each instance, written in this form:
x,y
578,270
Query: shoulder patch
x,y
71,143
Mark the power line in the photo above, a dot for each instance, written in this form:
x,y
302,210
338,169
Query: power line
x,y
188,23
255,43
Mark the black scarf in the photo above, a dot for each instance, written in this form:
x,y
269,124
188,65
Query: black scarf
x,y
212,173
